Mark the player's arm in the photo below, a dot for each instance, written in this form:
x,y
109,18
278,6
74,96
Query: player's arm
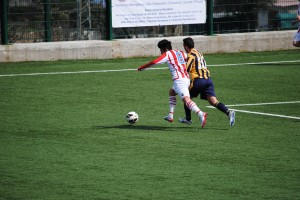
x,y
160,60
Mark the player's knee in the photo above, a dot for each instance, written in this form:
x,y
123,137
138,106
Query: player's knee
x,y
186,99
213,101
296,43
172,92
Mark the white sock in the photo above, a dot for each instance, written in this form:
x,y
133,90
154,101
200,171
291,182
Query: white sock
x,y
172,103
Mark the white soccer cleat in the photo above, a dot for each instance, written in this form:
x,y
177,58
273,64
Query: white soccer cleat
x,y
203,119
185,121
169,119
231,117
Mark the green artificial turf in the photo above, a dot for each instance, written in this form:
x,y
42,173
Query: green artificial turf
x,y
64,136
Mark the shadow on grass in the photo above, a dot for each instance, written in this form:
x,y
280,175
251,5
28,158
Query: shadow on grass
x,y
141,127
155,128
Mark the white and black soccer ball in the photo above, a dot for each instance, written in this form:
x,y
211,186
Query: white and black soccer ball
x,y
132,117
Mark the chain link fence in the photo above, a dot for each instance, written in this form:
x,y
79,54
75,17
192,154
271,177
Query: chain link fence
x,y
70,20
87,20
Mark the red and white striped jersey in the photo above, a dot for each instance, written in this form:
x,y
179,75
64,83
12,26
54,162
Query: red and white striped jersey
x,y
176,61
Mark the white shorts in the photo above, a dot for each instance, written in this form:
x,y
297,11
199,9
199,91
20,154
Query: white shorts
x,y
297,36
181,87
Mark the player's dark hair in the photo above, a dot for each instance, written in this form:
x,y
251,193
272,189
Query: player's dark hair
x,y
189,42
164,44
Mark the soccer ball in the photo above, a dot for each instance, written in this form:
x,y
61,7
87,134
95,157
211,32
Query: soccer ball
x,y
132,117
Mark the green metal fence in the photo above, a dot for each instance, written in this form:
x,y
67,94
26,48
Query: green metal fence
x,y
55,20
254,15
68,20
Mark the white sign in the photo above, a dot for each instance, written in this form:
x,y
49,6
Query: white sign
x,y
132,13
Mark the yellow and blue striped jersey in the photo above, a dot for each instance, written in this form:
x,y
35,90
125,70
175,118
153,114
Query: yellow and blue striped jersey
x,y
196,65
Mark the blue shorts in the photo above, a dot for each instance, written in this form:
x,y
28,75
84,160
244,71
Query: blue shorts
x,y
297,36
204,87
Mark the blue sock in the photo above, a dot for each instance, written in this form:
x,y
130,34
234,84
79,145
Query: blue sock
x,y
220,106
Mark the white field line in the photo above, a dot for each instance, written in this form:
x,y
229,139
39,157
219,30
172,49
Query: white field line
x,y
259,104
261,113
267,114
121,70
257,63
77,72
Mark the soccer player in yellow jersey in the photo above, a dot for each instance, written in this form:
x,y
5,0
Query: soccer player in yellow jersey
x,y
176,61
201,83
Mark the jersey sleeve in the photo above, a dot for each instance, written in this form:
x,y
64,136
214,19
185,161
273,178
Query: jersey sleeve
x,y
185,56
189,63
160,60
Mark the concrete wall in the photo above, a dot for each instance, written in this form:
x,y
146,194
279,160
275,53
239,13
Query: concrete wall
x,y
97,49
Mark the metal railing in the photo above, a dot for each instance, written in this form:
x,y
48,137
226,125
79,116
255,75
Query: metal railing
x,y
68,20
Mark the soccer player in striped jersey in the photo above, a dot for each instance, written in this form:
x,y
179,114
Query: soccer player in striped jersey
x,y
201,83
176,61
296,41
